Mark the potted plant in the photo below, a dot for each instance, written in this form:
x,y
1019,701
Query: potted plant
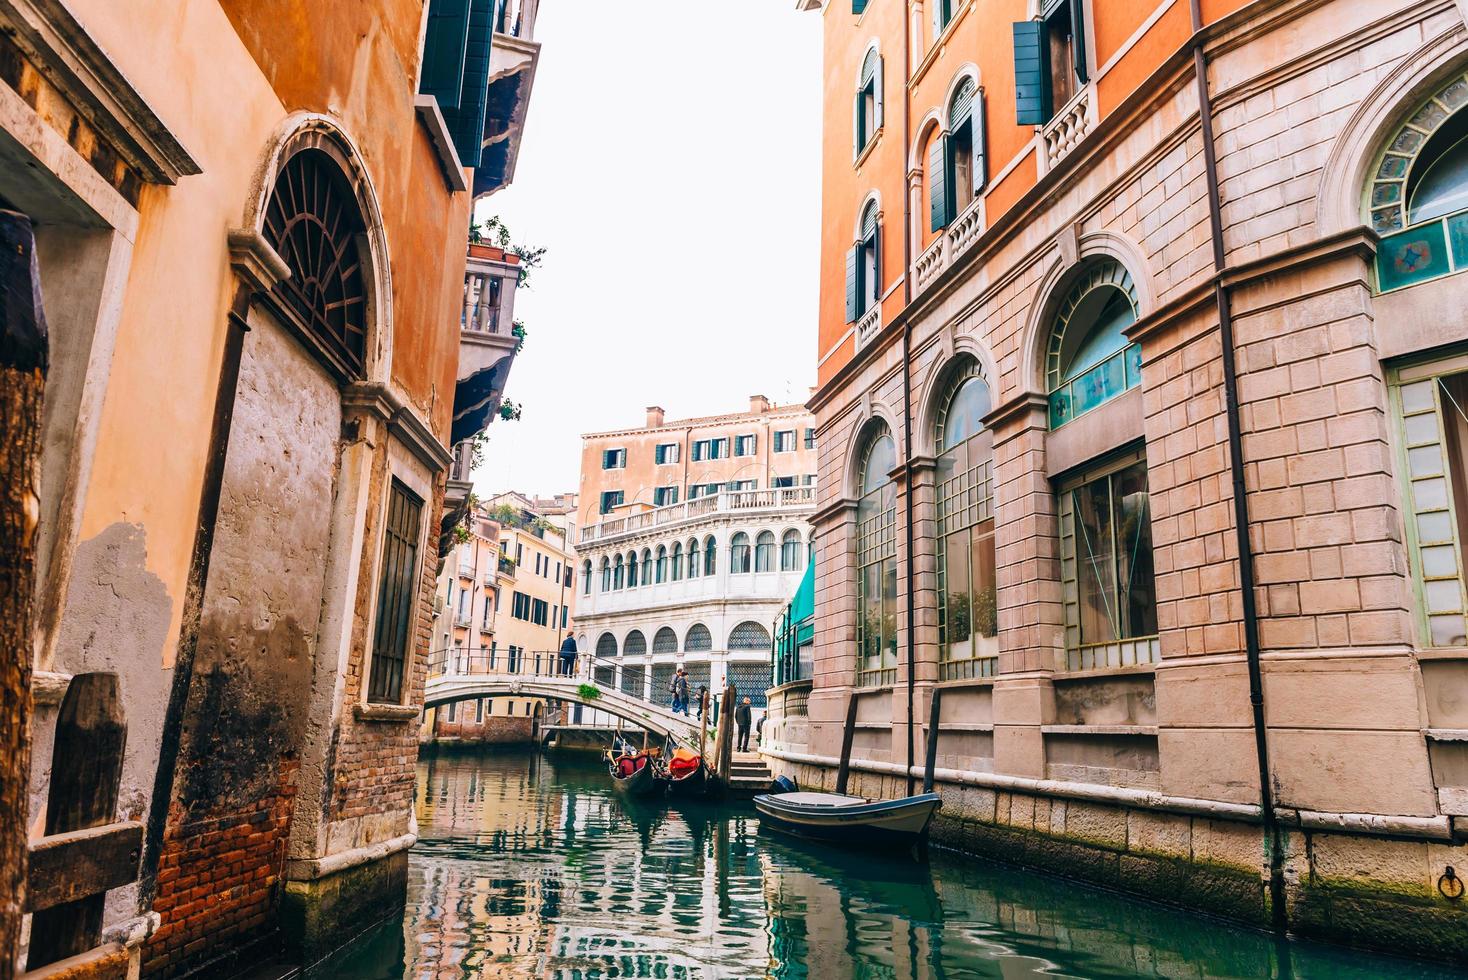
x,y
509,411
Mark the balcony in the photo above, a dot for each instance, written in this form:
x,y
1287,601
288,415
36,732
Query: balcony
x,y
487,341
869,325
508,566
961,233
514,56
726,502
466,569
1068,127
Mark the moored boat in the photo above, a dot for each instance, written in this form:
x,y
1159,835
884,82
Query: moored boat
x,y
635,775
689,776
850,820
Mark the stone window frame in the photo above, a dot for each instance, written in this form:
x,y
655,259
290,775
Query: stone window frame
x,y
1418,434
1141,651
1102,272
1386,197
876,543
418,484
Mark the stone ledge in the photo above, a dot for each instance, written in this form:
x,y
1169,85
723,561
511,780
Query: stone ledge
x,y
385,712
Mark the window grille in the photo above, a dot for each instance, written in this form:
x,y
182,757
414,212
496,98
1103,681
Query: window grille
x,y
396,591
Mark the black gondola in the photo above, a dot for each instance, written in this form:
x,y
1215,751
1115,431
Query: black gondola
x,y
851,821
635,775
689,777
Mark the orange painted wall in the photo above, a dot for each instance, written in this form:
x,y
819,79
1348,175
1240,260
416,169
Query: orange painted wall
x,y
980,36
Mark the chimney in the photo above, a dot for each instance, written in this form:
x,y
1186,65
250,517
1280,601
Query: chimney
x,y
654,416
758,404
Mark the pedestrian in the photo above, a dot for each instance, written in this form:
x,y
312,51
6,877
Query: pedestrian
x,y
568,656
682,696
673,689
702,692
759,731
741,722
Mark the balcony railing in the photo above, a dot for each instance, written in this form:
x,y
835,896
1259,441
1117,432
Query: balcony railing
x,y
724,502
508,566
962,232
517,19
1068,127
869,325
481,312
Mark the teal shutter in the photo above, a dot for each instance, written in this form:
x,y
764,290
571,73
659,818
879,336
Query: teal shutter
x,y
443,51
980,122
877,96
466,121
852,282
858,6
1031,74
857,140
939,191
877,264
1078,38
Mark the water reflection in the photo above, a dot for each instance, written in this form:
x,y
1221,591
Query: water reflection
x,y
527,868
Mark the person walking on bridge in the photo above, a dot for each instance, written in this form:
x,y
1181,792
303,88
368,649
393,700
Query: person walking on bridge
x,y
741,721
680,692
568,656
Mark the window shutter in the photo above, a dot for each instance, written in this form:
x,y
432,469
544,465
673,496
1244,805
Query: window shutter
x,y
1078,38
876,266
851,284
857,139
877,96
962,107
444,44
980,121
939,20
938,190
858,6
466,120
1031,74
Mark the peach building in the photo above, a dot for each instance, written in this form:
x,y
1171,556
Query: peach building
x,y
1142,481
695,533
250,223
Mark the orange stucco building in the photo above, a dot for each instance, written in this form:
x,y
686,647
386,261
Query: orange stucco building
x,y
1141,478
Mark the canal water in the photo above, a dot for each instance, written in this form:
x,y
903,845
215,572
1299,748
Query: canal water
x,y
531,867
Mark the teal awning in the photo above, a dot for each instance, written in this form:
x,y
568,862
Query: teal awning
x,y
803,606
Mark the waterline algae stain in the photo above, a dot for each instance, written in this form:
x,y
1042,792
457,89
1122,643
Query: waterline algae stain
x,y
532,868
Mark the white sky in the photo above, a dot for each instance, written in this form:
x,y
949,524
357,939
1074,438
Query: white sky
x,y
671,165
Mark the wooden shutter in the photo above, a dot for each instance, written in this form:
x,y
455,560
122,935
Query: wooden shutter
x,y
466,120
856,127
940,20
980,121
858,6
876,271
852,256
444,45
877,96
1031,74
1078,38
939,191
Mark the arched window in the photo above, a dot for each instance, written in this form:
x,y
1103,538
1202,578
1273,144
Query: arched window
x,y
586,577
957,164
665,641
876,548
647,565
662,566
867,112
791,554
710,556
619,574
1089,359
606,575
693,558
631,569
739,554
1419,192
764,552
677,561
749,635
606,646
864,265
313,221
636,644
967,599
699,639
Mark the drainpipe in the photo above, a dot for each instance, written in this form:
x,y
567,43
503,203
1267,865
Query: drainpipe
x,y
907,380
1236,467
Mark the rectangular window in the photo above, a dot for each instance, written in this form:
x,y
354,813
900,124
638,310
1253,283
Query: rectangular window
x,y
1106,568
744,485
453,709
808,480
719,448
785,441
479,710
784,481
876,549
539,614
613,459
520,606
703,489
537,563
397,587
668,452
744,445
610,499
810,438
663,496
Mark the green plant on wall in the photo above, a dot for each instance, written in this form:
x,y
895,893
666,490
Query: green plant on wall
x,y
510,411
518,330
588,692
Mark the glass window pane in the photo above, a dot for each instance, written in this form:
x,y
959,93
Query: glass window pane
x,y
1430,494
1094,562
1439,561
1434,527
1137,602
958,597
889,612
1424,461
1443,596
1421,429
1447,631
1417,397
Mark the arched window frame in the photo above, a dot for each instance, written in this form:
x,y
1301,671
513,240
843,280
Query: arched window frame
x,y
619,574
677,561
866,108
694,558
958,157
791,553
748,636
698,639
764,552
662,565
1119,372
864,263
711,556
632,569
665,640
586,577
606,574
739,554
606,646
635,645
967,584
876,535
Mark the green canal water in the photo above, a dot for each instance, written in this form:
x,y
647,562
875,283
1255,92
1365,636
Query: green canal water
x,y
531,867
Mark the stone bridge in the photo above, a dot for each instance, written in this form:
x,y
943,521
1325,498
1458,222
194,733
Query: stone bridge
x,y
460,676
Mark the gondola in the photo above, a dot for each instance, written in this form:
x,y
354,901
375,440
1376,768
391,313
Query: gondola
x,y
689,777
851,821
635,775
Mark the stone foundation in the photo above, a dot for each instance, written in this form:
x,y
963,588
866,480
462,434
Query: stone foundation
x,y
1357,890
321,916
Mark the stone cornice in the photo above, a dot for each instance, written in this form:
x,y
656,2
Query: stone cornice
x,y
1017,410
839,509
381,402
257,264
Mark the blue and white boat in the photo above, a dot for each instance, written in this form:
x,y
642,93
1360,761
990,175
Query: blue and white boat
x,y
850,820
